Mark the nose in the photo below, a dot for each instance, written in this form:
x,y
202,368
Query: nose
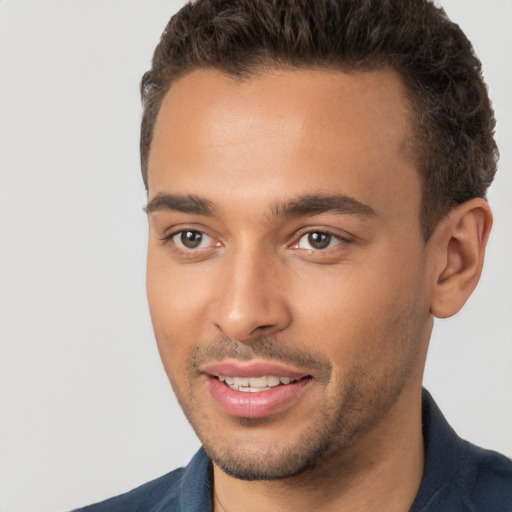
x,y
251,297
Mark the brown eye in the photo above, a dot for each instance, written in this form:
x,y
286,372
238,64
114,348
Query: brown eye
x,y
318,240
190,239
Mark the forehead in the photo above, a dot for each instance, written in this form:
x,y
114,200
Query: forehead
x,y
300,131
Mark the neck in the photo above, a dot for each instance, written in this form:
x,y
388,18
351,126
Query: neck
x,y
381,470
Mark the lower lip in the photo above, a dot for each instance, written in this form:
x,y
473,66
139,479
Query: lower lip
x,y
255,404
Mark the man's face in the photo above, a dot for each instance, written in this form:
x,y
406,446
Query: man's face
x,y
287,273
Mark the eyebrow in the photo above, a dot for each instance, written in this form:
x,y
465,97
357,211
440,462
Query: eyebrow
x,y
180,203
301,206
317,204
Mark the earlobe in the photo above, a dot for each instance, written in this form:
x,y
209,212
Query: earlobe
x,y
458,250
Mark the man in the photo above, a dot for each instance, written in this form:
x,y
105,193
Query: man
x,y
316,177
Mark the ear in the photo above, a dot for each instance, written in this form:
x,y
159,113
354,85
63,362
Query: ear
x,y
457,251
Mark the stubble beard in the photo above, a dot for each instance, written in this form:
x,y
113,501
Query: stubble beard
x,y
357,407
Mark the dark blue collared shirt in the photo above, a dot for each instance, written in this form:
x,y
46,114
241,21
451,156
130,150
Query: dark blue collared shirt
x,y
458,477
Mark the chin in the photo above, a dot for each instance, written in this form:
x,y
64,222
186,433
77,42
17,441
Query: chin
x,y
268,463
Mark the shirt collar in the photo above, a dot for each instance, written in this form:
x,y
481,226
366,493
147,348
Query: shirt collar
x,y
442,453
442,458
197,483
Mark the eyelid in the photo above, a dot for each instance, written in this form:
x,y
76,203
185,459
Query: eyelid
x,y
343,237
176,230
171,231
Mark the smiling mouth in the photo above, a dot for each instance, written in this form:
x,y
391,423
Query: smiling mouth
x,y
256,384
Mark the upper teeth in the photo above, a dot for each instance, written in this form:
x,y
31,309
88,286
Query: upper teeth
x,y
254,383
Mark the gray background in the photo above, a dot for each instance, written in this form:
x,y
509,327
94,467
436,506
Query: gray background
x,y
86,410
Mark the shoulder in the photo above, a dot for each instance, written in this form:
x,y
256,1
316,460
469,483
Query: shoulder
x,y
486,479
459,476
142,498
181,490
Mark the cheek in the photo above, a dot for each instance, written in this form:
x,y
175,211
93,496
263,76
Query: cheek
x,y
175,292
366,313
176,304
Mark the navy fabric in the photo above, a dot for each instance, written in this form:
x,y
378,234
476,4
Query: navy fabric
x,y
185,489
458,477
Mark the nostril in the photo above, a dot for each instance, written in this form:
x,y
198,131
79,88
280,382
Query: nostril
x,y
242,314
261,328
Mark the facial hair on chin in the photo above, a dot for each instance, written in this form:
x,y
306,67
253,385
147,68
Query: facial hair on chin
x,y
353,409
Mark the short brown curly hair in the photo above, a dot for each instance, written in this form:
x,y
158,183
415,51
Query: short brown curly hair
x,y
453,132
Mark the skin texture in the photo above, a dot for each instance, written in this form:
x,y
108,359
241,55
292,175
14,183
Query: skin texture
x,y
355,316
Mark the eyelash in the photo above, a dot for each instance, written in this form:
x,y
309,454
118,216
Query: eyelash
x,y
341,240
168,239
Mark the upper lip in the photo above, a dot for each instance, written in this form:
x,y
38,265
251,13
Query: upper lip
x,y
232,368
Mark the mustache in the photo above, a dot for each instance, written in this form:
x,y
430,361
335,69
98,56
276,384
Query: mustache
x,y
262,347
